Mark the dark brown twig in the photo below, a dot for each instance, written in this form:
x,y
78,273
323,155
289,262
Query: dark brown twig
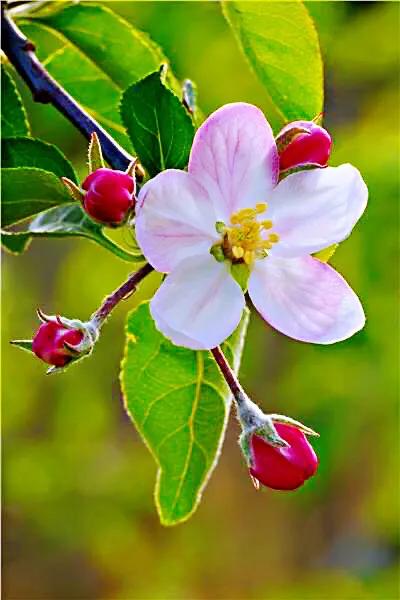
x,y
21,53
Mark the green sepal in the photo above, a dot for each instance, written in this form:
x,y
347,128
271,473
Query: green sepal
x,y
23,344
95,155
217,252
326,254
241,273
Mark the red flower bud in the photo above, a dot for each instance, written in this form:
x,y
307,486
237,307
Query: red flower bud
x,y
49,343
303,143
110,196
283,468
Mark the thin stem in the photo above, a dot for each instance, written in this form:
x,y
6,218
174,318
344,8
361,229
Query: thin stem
x,y
229,376
21,53
122,292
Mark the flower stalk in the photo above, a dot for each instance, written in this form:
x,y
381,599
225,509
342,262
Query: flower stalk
x,y
250,416
121,293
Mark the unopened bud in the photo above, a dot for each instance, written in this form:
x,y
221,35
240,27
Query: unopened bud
x,y
303,143
109,197
54,343
60,341
275,447
283,468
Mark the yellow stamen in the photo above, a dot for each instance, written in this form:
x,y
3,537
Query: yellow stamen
x,y
244,240
243,215
266,224
266,244
273,237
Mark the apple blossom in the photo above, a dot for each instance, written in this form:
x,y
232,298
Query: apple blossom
x,y
228,219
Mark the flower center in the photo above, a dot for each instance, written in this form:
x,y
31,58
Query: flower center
x,y
246,238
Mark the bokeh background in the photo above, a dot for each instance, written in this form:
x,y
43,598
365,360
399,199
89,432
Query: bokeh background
x,y
79,518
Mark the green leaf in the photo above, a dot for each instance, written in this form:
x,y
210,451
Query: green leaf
x,y
27,191
30,152
13,115
100,55
160,129
179,403
123,53
63,221
15,243
281,43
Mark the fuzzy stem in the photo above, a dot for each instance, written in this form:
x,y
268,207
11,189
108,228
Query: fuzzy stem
x,y
21,53
247,410
229,375
251,417
122,292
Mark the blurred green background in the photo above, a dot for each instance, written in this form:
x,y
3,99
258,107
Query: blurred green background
x,y
79,518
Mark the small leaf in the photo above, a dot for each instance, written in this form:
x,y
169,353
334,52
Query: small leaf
x,y
280,41
27,191
160,128
179,403
63,221
30,152
95,155
13,115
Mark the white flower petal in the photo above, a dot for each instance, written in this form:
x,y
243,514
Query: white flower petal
x,y
234,157
174,219
199,304
314,209
305,299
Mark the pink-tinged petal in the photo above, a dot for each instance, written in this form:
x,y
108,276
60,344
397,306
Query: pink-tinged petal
x,y
199,304
179,339
305,299
174,220
314,209
234,157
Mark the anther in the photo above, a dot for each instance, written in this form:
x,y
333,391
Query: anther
x,y
273,237
266,224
